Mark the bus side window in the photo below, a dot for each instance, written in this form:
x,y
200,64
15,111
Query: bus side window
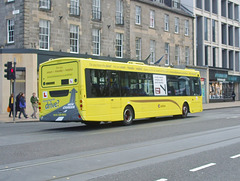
x,y
195,87
145,84
184,88
97,83
114,84
129,84
172,82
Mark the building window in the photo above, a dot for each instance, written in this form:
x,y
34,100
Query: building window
x,y
44,34
176,25
177,56
119,45
45,4
213,31
96,10
152,51
10,31
206,54
167,53
198,4
119,12
152,19
236,12
159,1
96,41
74,37
206,28
138,48
176,4
207,5
74,7
166,22
214,56
138,15
187,52
186,27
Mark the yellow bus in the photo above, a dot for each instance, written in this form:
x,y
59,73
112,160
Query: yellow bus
x,y
94,91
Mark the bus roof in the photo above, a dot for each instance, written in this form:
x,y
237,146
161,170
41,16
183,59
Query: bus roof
x,y
123,66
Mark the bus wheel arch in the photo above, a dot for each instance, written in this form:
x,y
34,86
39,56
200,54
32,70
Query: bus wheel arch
x,y
185,109
128,115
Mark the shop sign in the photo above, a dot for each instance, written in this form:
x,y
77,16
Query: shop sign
x,y
223,76
234,78
221,80
202,81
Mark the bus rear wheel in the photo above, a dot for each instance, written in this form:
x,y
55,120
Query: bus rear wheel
x,y
185,110
128,116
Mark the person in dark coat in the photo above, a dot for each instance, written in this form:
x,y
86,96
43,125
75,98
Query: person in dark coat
x,y
17,103
11,105
22,105
233,95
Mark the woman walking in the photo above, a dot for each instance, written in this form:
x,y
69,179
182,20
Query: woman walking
x,y
22,105
11,105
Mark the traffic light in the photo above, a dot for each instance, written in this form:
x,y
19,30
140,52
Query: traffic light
x,y
12,74
10,71
8,66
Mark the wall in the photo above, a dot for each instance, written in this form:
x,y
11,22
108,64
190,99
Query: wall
x,y
10,11
29,61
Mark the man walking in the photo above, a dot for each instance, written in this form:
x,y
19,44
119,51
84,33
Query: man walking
x,y
34,101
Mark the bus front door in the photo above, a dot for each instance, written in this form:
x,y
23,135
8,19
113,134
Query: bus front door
x,y
115,100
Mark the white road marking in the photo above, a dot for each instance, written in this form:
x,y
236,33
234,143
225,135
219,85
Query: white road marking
x,y
202,167
162,179
235,156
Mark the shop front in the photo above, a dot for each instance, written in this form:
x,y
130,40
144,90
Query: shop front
x,y
222,85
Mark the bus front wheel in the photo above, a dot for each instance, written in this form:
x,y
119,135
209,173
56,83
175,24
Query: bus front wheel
x,y
128,116
185,110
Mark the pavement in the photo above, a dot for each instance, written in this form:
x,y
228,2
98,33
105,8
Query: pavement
x,y
4,118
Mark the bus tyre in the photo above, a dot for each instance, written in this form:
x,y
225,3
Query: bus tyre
x,y
128,116
185,110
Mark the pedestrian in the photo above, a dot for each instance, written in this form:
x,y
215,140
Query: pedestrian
x,y
22,105
34,101
17,103
11,105
233,95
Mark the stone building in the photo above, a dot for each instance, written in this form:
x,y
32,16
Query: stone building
x,y
118,30
163,30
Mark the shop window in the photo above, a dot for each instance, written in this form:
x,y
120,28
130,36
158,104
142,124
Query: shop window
x,y
220,90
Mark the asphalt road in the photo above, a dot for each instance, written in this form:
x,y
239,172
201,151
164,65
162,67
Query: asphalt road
x,y
204,146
